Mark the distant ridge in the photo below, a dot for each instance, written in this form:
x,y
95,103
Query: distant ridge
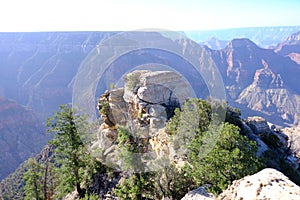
x,y
262,36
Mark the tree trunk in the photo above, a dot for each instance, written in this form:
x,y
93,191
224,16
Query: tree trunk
x,y
45,179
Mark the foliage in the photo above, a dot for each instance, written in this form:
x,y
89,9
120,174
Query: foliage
x,y
130,150
232,157
33,178
194,118
172,182
136,184
70,151
104,107
132,80
271,140
12,187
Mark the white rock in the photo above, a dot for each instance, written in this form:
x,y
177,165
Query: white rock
x,y
198,194
157,94
266,184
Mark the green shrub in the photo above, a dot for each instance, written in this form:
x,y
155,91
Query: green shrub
x,y
132,80
232,157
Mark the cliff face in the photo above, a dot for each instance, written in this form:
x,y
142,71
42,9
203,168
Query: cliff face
x,y
260,79
146,102
21,135
37,68
290,47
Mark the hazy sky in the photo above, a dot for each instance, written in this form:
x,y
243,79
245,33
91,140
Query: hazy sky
x,y
93,15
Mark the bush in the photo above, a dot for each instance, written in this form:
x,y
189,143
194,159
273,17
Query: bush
x,y
232,157
132,80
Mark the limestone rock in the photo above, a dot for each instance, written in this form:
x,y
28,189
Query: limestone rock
x,y
157,123
172,80
159,144
159,77
104,139
261,146
164,80
293,143
131,81
72,196
199,194
118,107
258,124
156,111
156,94
147,101
266,184
110,134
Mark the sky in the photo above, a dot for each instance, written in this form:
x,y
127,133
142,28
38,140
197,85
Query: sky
x,y
124,15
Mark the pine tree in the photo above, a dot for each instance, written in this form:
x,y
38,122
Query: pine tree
x,y
33,178
232,157
70,151
135,184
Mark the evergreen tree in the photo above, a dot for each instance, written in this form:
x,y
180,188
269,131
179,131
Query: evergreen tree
x,y
232,157
33,178
193,119
70,151
134,184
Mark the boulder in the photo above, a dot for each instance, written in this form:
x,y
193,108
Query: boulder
x,y
143,132
155,94
181,90
159,77
171,80
198,194
261,146
156,111
258,124
111,134
157,123
116,95
119,112
266,184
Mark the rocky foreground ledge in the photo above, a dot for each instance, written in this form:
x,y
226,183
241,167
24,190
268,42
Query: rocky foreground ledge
x,y
267,184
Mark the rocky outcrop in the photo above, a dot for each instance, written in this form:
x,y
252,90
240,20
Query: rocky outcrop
x,y
266,184
215,43
289,45
258,124
268,94
269,138
144,105
294,139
